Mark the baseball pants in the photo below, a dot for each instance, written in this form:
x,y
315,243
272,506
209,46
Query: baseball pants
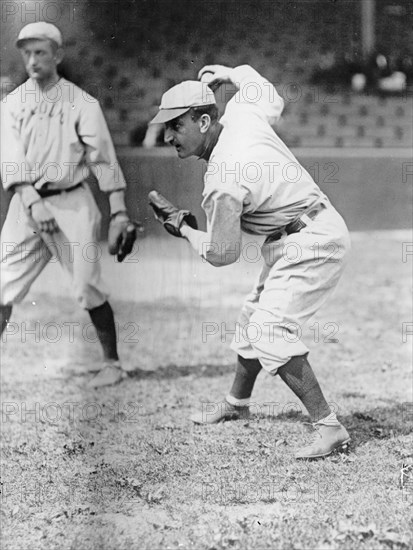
x,y
25,251
300,271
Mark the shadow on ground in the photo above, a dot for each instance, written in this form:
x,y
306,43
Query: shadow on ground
x,y
378,423
175,371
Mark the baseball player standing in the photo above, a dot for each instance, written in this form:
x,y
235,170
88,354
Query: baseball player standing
x,y
253,183
52,133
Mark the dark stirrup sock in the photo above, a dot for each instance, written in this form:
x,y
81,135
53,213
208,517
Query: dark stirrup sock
x,y
5,312
245,376
300,378
104,322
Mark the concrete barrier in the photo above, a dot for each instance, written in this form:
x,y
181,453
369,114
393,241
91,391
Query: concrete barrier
x,y
371,188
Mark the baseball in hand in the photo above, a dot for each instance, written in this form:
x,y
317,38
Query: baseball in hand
x,y
207,77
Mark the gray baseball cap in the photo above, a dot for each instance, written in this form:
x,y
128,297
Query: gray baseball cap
x,y
179,99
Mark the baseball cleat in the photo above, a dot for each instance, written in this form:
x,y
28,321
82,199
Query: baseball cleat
x,y
212,413
324,441
111,374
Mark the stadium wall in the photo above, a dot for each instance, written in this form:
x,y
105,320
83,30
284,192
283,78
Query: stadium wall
x,y
372,189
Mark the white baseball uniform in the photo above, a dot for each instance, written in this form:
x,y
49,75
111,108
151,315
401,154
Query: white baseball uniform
x,y
51,140
255,184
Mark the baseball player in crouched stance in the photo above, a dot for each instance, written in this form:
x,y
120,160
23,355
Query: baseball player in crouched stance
x,y
52,132
247,188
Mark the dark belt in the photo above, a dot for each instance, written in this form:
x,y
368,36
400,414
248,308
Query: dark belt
x,y
50,192
299,223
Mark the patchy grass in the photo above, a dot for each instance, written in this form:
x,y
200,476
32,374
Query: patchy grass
x,y
123,467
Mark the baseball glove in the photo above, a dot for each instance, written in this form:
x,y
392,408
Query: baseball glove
x,y
122,235
169,215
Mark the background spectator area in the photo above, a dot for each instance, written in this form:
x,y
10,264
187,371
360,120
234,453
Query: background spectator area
x,y
308,49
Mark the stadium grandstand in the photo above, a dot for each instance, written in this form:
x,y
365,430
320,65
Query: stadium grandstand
x,y
127,53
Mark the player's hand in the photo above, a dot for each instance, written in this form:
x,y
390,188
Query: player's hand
x,y
215,75
122,235
169,215
43,218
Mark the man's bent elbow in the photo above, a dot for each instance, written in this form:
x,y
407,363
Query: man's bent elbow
x,y
221,260
221,254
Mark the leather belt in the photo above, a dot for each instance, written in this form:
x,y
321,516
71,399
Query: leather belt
x,y
299,223
50,192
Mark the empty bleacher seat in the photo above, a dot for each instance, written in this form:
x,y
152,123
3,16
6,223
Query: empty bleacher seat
x,y
342,120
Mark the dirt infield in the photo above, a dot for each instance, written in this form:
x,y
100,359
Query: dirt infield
x,y
123,468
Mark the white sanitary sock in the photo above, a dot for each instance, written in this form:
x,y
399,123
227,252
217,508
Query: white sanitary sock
x,y
237,402
330,420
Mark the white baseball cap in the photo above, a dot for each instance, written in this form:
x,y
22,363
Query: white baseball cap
x,y
40,31
179,99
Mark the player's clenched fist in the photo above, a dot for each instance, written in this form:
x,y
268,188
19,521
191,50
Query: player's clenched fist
x,y
169,215
122,235
43,218
215,75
